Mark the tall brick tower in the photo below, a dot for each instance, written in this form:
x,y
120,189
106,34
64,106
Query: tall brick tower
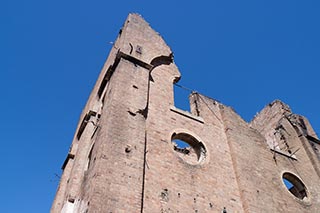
x,y
127,153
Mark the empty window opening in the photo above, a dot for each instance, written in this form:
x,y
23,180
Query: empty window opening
x,y
295,186
188,148
181,146
181,98
181,143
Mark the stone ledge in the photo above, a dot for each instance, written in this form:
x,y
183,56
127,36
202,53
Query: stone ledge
x,y
186,114
286,154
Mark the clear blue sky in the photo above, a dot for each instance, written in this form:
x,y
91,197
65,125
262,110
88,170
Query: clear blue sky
x,y
242,53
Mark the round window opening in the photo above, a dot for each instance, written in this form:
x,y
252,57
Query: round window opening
x,y
188,148
295,186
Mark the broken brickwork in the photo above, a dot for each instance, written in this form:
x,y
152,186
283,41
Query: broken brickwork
x,y
126,154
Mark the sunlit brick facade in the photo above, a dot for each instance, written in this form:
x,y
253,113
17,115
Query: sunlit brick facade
x,y
124,156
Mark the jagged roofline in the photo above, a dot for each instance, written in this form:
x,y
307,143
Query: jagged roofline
x,y
168,56
283,106
148,39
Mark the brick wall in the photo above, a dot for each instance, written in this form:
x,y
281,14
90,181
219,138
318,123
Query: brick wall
x,y
122,158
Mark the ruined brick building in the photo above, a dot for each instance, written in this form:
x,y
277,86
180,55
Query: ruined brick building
x,y
126,155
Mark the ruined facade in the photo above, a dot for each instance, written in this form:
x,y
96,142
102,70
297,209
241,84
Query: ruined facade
x,y
126,155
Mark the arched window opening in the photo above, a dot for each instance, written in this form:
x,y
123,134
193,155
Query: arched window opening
x,y
295,186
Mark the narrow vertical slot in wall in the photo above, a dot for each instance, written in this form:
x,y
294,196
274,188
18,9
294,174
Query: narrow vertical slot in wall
x,y
181,98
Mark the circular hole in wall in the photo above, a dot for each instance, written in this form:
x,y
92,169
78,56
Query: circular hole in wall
x,y
188,148
294,185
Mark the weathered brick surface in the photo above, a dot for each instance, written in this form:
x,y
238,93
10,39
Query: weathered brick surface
x,y
125,160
